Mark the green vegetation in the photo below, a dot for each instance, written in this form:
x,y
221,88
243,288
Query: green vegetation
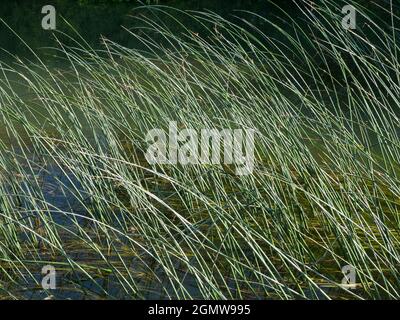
x,y
77,193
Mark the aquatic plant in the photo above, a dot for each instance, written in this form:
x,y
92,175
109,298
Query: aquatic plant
x,y
78,194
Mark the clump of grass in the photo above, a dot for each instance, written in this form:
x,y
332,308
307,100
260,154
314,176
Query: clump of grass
x,y
324,192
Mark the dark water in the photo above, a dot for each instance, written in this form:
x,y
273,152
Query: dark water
x,y
93,19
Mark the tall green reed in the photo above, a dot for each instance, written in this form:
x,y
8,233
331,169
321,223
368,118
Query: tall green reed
x,y
324,192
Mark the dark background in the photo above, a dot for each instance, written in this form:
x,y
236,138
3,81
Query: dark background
x,y
93,18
